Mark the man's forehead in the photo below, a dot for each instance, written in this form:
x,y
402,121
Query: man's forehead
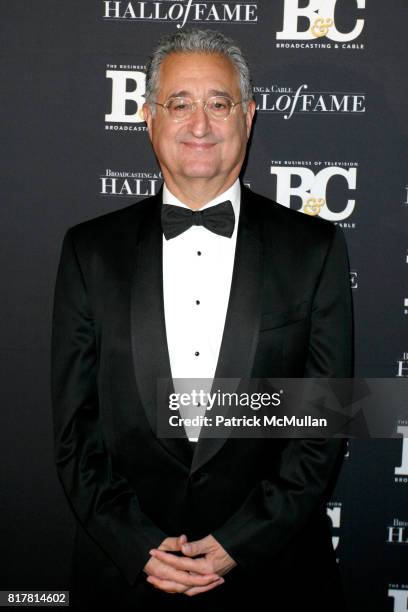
x,y
197,57
182,93
183,72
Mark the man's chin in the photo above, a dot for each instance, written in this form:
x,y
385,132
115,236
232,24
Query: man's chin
x,y
199,172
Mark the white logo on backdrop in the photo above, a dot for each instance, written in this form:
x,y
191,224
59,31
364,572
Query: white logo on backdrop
x,y
311,188
319,20
185,11
402,470
400,597
127,96
289,101
397,533
135,184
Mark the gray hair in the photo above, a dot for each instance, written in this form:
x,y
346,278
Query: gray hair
x,y
197,41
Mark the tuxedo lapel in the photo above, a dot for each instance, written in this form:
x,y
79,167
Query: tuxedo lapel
x,y
241,329
149,341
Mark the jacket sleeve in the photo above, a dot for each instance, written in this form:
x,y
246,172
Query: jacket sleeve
x,y
101,499
273,513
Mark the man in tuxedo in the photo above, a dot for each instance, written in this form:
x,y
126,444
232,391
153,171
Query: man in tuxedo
x,y
206,279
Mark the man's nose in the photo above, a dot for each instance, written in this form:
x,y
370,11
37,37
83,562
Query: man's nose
x,y
199,121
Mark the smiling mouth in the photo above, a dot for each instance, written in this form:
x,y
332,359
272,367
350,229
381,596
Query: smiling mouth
x,y
199,146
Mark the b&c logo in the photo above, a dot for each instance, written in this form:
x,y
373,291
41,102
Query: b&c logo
x,y
311,189
127,97
319,19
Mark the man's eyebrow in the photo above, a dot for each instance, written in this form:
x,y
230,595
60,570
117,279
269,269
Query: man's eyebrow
x,y
180,94
183,93
218,92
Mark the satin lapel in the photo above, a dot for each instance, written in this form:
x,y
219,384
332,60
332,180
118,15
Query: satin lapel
x,y
149,341
241,329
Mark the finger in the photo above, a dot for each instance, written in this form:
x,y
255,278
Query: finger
x,y
165,572
196,590
173,586
169,544
166,585
192,549
186,564
182,540
172,544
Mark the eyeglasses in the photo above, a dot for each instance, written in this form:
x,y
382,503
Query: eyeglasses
x,y
216,107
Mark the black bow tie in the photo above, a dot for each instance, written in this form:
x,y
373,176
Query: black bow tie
x,y
219,219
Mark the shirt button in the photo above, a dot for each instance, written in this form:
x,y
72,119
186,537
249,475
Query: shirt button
x,y
196,353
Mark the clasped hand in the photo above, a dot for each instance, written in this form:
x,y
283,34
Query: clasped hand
x,y
200,569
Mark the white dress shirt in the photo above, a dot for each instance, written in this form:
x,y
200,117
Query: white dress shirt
x,y
197,273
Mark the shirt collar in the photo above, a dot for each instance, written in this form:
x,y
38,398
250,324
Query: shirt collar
x,y
233,194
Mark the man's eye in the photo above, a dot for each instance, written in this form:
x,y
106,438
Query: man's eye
x,y
179,106
219,105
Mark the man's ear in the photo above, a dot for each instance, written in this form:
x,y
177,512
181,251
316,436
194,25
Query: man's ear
x,y
249,117
147,116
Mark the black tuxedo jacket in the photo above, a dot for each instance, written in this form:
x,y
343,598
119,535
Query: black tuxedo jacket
x,y
289,315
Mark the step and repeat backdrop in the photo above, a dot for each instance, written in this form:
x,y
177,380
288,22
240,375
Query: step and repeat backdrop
x,y
330,136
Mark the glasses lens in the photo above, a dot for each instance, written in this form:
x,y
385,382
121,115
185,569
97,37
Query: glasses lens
x,y
219,107
179,108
